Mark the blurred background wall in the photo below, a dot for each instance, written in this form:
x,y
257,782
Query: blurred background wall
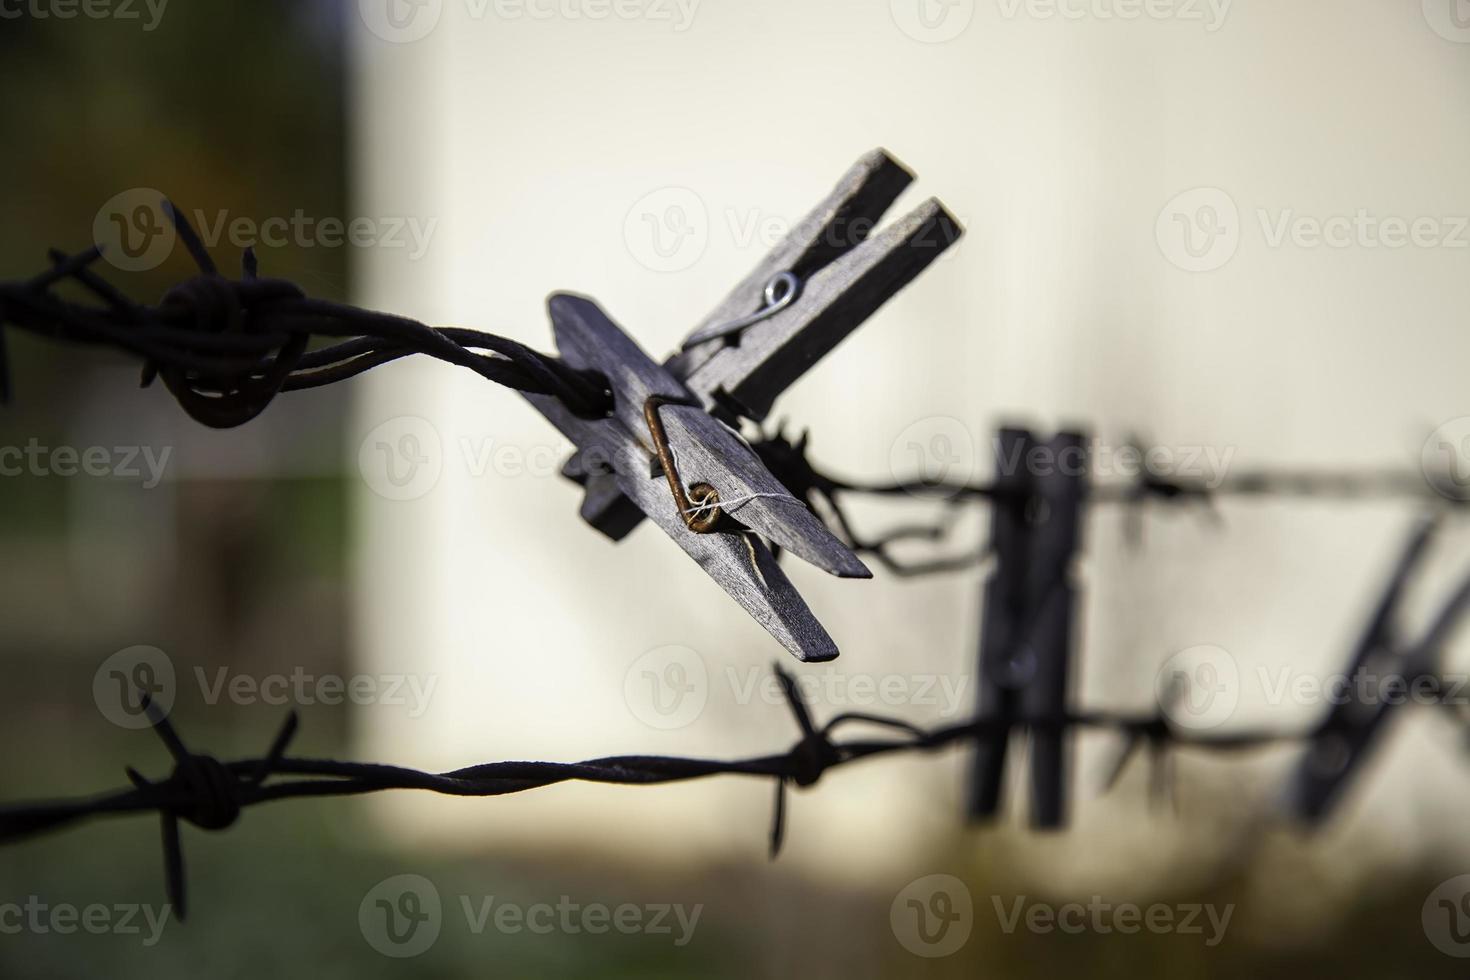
x,y
1132,190
1140,194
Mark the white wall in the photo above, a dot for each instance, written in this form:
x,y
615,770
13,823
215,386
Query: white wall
x,y
1060,142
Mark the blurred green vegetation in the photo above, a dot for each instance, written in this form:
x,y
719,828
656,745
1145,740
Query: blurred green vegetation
x,y
231,105
236,105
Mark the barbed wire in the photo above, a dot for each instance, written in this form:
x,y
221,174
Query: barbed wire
x,y
211,795
226,348
824,492
207,793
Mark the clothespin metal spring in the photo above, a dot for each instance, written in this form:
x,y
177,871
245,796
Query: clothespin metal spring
x,y
699,505
781,291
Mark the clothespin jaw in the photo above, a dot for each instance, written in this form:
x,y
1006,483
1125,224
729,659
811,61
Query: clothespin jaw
x,y
1351,732
658,447
1027,630
845,274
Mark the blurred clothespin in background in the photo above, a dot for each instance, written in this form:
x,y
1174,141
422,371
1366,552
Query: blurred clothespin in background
x,y
1026,629
1398,668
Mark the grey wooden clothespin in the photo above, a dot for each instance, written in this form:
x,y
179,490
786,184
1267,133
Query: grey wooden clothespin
x,y
1353,728
1026,630
668,452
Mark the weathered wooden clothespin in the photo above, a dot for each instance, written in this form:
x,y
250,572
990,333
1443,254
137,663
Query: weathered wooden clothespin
x,y
1386,670
1027,620
668,452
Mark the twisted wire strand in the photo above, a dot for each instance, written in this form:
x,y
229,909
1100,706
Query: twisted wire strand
x,y
210,794
824,492
226,348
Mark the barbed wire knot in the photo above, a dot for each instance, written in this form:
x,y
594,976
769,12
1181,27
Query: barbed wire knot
x,y
215,792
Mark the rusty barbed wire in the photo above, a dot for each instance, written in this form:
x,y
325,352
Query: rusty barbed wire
x,y
225,348
209,794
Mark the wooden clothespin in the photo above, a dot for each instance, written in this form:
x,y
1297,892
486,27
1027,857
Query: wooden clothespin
x,y
668,452
1027,626
1351,731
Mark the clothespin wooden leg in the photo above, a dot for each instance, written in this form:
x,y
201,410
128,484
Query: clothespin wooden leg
x,y
1003,611
1055,526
